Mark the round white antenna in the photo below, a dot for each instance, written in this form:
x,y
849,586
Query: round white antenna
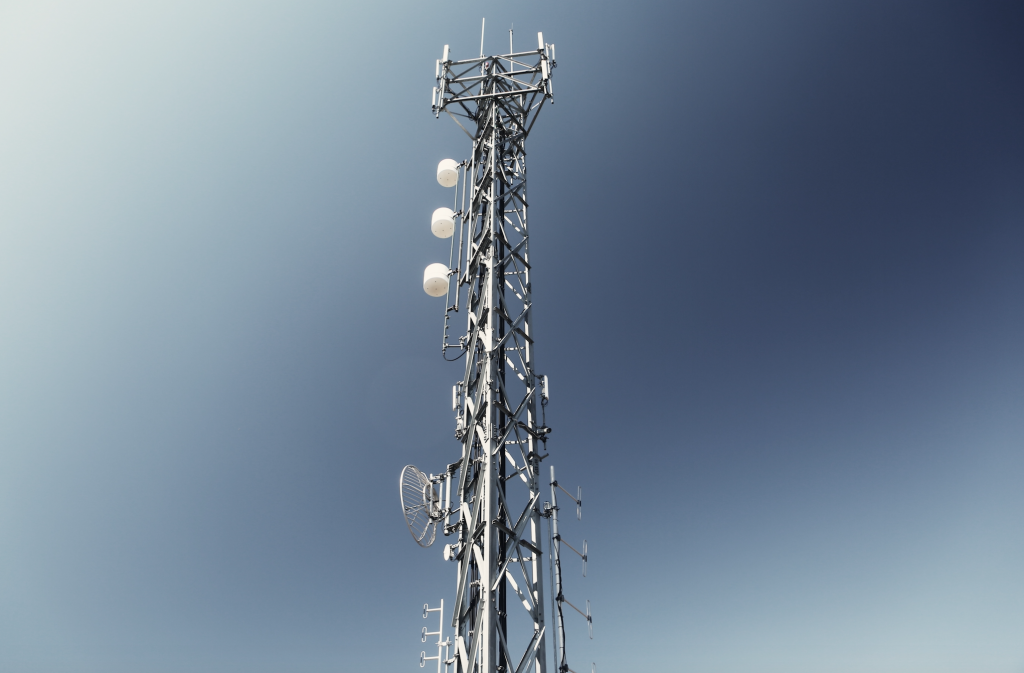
x,y
420,505
435,280
442,223
448,172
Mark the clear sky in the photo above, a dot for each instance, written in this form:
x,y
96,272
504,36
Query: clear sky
x,y
778,257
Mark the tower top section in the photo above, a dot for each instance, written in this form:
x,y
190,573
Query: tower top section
x,y
518,81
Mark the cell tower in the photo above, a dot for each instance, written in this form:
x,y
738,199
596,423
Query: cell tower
x,y
490,502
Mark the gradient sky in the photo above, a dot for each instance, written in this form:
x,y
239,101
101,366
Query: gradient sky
x,y
778,257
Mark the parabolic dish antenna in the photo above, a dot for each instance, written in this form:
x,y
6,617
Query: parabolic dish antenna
x,y
419,504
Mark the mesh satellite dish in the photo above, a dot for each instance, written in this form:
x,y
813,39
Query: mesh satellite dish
x,y
420,504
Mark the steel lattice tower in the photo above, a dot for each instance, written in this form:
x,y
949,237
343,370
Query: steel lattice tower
x,y
499,526
490,500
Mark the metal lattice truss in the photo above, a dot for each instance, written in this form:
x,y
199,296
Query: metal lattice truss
x,y
498,515
519,81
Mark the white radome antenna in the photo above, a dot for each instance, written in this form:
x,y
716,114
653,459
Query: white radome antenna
x,y
442,222
448,172
435,280
420,505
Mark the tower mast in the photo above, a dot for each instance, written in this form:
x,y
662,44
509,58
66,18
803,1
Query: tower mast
x,y
496,100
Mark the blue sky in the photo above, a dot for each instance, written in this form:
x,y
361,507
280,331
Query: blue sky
x,y
778,260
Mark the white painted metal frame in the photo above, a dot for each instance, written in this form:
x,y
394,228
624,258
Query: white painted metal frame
x,y
445,643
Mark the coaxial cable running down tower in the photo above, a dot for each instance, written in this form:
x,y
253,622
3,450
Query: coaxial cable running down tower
x,y
490,501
